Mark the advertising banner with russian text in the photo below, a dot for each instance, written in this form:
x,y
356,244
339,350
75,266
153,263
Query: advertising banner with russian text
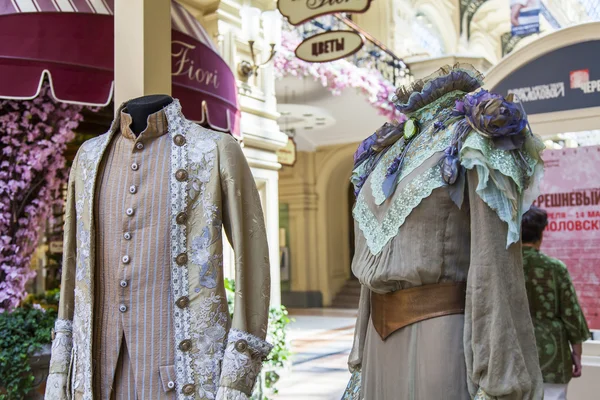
x,y
570,193
525,17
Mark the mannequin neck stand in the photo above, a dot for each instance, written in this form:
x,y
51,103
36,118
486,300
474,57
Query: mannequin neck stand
x,y
142,107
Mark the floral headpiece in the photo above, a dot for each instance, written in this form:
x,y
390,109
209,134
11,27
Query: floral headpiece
x,y
501,120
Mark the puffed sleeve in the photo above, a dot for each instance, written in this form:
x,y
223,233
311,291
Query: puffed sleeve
x,y
499,342
62,344
245,227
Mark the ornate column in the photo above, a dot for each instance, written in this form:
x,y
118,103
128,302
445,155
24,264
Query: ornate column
x,y
142,48
298,190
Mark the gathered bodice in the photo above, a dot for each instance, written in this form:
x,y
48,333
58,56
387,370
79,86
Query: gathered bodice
x,y
432,246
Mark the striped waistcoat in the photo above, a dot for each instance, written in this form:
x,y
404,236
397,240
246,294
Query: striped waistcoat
x,y
142,289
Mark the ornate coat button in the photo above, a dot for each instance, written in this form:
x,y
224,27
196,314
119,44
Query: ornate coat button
x,y
188,389
127,236
132,189
241,345
185,345
179,140
171,384
139,145
129,211
181,259
183,302
135,166
123,308
125,259
181,218
181,175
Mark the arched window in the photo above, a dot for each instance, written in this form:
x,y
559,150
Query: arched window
x,y
426,36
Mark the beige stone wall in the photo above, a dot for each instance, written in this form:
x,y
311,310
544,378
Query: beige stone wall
x,y
316,190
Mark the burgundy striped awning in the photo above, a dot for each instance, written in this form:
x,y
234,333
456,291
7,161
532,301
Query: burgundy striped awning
x,y
71,44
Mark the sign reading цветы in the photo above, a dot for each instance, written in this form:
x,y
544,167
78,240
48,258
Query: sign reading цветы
x,y
300,11
329,46
287,155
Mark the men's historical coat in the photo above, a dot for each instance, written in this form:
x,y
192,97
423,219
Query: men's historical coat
x,y
210,187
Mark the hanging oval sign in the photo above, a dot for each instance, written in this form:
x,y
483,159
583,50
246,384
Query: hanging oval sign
x,y
300,11
329,46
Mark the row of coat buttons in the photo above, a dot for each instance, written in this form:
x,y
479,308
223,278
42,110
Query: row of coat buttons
x,y
181,260
127,236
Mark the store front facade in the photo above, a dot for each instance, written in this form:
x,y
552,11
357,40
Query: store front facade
x,y
94,56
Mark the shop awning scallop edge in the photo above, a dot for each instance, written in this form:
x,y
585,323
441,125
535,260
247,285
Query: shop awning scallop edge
x,y
74,52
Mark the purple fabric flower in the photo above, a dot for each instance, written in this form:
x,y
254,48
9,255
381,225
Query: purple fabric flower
x,y
450,165
358,182
459,108
387,135
371,148
365,149
394,166
496,118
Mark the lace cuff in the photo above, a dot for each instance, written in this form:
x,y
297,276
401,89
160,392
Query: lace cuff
x,y
481,395
60,361
242,363
56,387
62,345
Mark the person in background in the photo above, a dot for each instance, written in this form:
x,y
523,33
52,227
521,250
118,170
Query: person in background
x,y
560,327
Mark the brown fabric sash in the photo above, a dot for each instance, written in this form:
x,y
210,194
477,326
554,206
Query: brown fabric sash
x,y
392,311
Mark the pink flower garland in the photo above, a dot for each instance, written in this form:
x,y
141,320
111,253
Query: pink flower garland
x,y
337,76
33,136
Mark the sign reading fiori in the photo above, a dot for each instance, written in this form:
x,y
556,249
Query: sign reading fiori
x,y
300,11
329,46
184,65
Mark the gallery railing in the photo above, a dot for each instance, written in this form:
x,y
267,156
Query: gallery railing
x,y
373,55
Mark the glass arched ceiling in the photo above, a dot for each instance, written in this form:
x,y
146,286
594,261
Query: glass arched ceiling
x,y
571,12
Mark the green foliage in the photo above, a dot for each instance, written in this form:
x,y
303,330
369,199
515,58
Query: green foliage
x,y
47,300
276,335
24,331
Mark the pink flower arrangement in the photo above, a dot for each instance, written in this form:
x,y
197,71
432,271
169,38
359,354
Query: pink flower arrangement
x,y
337,76
33,138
